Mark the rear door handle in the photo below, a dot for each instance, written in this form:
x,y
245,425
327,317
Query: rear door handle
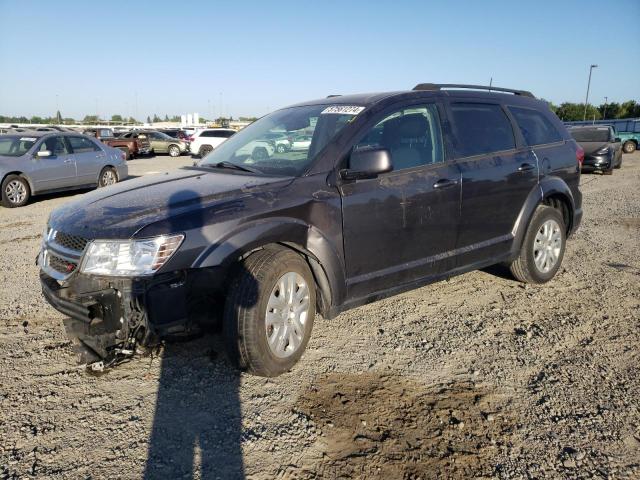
x,y
444,183
526,167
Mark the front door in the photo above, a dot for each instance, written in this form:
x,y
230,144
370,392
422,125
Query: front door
x,y
401,226
56,171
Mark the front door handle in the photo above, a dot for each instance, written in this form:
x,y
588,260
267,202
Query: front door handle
x,y
526,167
444,183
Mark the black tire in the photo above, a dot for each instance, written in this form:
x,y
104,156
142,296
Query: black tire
x,y
524,267
104,173
205,150
629,147
11,186
174,151
259,153
609,171
244,326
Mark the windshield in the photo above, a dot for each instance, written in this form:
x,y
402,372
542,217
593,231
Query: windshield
x,y
591,135
15,146
284,142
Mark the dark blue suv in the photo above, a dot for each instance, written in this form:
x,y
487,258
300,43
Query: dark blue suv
x,y
392,191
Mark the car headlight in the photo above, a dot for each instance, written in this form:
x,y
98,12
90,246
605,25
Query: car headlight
x,y
603,151
129,257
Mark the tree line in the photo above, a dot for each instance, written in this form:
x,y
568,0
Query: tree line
x,y
566,111
58,119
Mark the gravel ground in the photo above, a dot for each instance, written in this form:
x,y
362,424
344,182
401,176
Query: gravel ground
x,y
478,376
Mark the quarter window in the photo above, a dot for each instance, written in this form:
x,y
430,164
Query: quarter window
x,y
481,128
412,136
535,127
82,145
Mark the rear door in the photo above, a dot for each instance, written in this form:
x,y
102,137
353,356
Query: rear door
x,y
56,171
498,172
89,158
401,226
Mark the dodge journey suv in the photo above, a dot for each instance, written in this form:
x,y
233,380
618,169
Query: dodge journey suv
x,y
393,191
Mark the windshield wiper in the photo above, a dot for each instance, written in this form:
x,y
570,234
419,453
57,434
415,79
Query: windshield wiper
x,y
234,167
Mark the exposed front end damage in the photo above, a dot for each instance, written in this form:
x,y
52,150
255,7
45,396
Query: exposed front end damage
x,y
109,318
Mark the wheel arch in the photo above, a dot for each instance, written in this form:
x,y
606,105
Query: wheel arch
x,y
293,234
115,170
552,191
20,174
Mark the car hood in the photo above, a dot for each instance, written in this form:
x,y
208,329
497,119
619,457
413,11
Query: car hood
x,y
592,147
122,210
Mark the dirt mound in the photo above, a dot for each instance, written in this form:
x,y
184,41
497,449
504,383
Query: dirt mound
x,y
394,427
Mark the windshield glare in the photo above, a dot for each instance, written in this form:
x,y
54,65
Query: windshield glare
x,y
15,146
591,135
282,143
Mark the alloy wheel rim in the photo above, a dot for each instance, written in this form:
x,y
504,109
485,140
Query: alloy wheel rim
x,y
287,314
108,178
173,151
16,191
547,246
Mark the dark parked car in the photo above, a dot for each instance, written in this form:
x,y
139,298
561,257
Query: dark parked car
x,y
132,147
602,149
394,191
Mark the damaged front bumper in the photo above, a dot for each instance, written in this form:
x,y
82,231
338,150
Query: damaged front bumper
x,y
109,317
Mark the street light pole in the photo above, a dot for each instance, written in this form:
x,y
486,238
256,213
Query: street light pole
x,y
604,114
586,101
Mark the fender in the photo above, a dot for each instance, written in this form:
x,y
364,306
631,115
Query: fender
x,y
291,232
23,175
547,187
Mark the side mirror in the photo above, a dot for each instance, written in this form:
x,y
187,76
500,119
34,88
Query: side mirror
x,y
617,140
44,153
367,163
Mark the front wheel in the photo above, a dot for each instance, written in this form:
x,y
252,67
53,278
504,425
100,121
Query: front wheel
x,y
629,147
15,191
269,312
108,176
543,247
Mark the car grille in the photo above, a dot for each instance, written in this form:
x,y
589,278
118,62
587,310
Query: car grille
x,y
72,242
61,265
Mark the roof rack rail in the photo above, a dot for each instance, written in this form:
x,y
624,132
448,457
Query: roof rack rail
x,y
443,86
334,95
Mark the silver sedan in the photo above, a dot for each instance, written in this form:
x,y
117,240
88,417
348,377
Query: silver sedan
x,y
37,162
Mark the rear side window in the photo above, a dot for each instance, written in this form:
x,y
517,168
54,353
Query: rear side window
x,y
535,127
217,133
481,128
81,145
55,145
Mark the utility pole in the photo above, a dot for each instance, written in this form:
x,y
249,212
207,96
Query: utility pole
x,y
586,100
604,114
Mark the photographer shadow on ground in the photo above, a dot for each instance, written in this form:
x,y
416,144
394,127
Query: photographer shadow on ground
x,y
197,423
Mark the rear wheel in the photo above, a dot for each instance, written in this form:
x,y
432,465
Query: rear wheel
x,y
174,151
108,176
15,191
269,312
205,150
629,147
543,247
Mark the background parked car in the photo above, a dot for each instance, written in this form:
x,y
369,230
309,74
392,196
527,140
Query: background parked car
x,y
602,149
301,142
204,141
132,147
281,141
40,162
160,142
176,133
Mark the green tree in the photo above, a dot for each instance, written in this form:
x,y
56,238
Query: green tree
x,y
58,117
156,118
132,120
148,119
166,118
90,119
117,118
35,119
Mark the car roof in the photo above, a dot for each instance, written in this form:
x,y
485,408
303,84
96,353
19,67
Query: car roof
x,y
470,91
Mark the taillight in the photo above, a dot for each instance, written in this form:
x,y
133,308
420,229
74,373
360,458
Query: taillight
x,y
123,156
580,155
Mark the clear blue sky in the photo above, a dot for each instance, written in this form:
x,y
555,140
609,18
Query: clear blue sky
x,y
255,56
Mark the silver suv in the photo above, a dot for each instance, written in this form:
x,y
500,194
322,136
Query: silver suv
x,y
37,162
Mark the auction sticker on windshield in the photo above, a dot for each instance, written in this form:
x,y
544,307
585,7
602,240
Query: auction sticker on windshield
x,y
343,110
28,139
